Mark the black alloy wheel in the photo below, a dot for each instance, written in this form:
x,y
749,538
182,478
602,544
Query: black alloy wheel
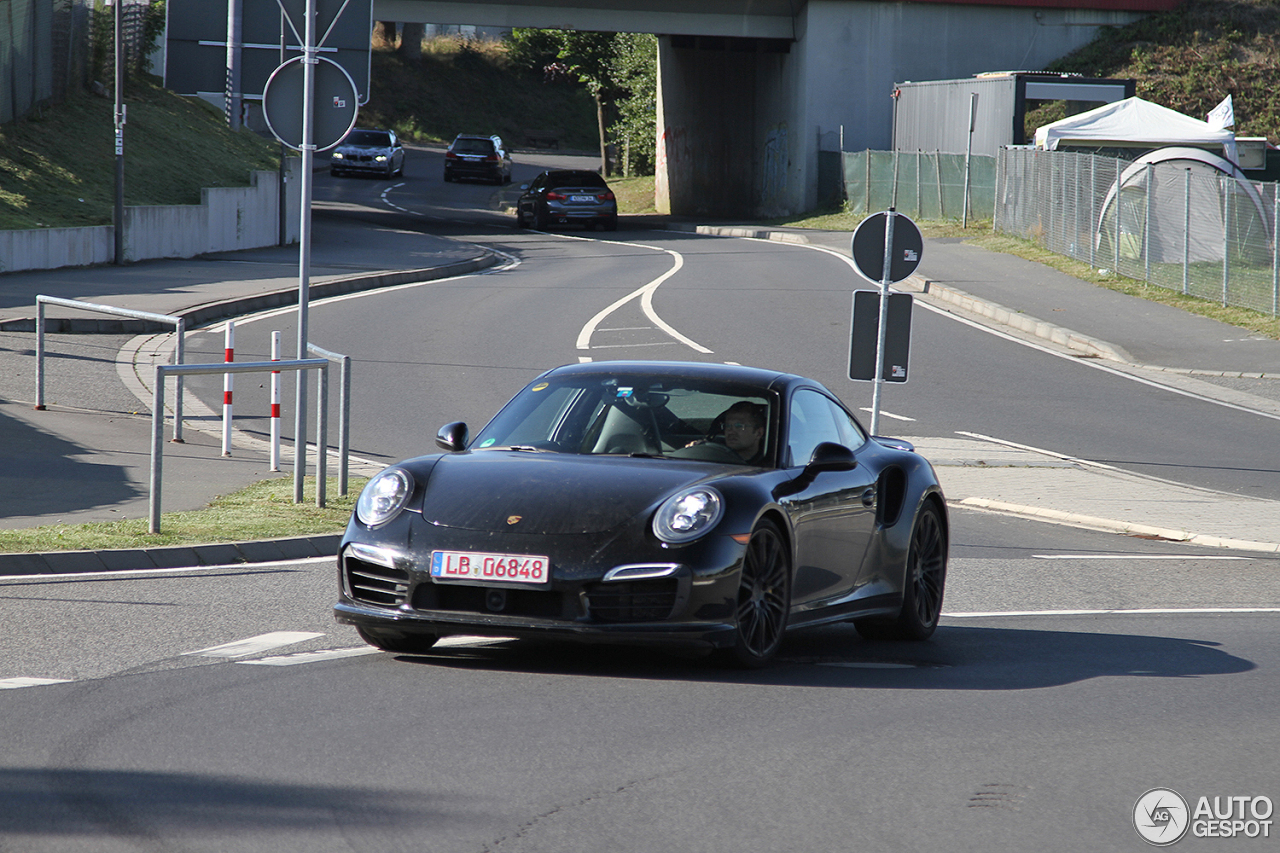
x,y
764,598
925,580
408,644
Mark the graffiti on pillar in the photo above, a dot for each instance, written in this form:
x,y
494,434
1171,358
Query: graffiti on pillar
x,y
776,156
674,154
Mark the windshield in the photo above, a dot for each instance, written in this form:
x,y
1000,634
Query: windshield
x,y
369,138
638,416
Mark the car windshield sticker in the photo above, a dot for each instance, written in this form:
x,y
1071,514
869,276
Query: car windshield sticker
x,y
623,393
487,442
541,386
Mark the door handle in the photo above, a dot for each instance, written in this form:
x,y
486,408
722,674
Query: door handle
x,y
869,498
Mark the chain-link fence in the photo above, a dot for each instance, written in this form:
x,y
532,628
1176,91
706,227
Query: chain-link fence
x,y
1184,224
49,47
922,184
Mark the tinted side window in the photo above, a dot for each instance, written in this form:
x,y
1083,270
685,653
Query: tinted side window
x,y
851,435
812,422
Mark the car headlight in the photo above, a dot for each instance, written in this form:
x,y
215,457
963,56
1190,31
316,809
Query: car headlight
x,y
381,158
383,497
337,155
687,515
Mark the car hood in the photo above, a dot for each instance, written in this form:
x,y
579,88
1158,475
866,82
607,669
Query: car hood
x,y
363,149
551,493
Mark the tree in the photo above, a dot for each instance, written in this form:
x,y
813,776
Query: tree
x,y
620,70
590,57
635,74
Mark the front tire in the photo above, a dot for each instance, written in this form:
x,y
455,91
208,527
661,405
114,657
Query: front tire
x,y
923,586
764,598
408,644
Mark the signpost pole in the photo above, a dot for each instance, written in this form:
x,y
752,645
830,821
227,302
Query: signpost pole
x,y
309,62
119,113
884,321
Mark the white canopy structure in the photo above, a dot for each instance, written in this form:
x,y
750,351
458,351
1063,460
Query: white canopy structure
x,y
1182,205
1132,123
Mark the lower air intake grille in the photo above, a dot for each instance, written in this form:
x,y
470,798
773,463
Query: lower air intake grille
x,y
636,601
372,583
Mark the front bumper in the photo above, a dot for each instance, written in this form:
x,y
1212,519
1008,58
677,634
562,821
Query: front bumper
x,y
356,163
674,597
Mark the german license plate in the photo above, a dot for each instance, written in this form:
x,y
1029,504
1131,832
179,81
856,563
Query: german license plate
x,y
481,566
582,198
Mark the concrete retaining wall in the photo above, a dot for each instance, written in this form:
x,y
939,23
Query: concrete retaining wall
x,y
227,219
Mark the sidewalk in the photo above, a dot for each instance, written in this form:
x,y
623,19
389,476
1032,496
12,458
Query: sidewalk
x,y
74,465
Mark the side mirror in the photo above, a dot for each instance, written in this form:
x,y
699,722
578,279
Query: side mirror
x,y
829,456
452,437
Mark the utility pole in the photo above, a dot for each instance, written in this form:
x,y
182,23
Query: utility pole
x,y
233,96
119,118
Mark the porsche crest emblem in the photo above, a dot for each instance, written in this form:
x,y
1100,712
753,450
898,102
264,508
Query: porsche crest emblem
x,y
514,519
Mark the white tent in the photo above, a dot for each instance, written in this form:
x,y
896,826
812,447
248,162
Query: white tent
x,y
1134,122
1180,205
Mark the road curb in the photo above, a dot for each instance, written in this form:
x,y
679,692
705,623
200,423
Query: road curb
x,y
177,557
212,312
1124,528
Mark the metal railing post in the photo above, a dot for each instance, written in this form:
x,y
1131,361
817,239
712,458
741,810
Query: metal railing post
x,y
344,411
157,413
322,437
179,326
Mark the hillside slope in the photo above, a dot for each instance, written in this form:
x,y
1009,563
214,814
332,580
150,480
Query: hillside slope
x,y
464,86
1191,58
57,166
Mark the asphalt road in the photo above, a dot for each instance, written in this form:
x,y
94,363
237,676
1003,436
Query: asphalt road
x,y
223,710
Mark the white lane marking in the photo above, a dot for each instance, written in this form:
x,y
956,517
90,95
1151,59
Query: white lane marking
x,y
78,576
1064,457
312,657
255,645
1137,611
14,683
645,295
1135,557
890,415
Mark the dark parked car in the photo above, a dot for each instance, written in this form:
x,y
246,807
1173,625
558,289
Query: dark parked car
x,y
562,196
666,503
365,150
471,156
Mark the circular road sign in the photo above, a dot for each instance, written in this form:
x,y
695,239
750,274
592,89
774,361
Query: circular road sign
x,y
333,110
868,247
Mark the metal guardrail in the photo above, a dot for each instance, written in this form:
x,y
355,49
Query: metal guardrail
x,y
300,452
1200,232
344,411
179,324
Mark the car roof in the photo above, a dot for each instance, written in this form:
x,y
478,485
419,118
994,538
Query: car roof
x,y
684,370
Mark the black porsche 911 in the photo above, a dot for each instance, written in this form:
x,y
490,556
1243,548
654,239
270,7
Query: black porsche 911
x,y
696,505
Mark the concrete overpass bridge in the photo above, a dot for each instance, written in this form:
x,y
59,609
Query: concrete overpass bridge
x,y
749,91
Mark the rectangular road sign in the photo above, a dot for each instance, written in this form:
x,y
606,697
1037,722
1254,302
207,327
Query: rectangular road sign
x,y
196,42
865,334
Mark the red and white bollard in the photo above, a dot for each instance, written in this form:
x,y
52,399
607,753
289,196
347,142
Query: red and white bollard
x,y
226,389
275,404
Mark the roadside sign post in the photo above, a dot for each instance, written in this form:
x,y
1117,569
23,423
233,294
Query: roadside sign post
x,y
886,248
292,117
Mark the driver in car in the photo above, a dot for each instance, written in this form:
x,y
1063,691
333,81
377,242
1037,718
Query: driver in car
x,y
743,431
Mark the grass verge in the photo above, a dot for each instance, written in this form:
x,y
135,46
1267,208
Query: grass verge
x,y
264,510
57,165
